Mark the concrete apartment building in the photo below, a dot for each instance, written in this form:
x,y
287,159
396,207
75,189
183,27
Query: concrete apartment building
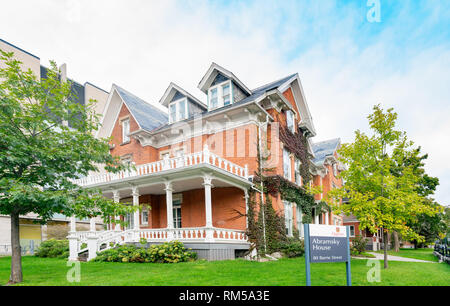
x,y
31,233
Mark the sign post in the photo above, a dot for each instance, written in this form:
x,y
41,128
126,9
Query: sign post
x,y
326,243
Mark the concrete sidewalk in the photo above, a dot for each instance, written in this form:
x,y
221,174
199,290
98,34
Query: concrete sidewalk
x,y
398,258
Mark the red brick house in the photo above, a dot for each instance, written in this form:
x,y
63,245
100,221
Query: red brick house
x,y
194,164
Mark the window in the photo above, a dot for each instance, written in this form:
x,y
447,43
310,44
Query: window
x,y
178,110
176,214
144,215
290,121
286,164
299,216
125,130
220,95
226,94
335,169
288,217
298,178
127,159
214,99
352,231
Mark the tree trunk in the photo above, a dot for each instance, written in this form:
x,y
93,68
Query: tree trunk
x,y
16,258
396,242
386,244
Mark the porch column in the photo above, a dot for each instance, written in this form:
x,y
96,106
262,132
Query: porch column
x,y
208,210
135,194
246,207
169,208
116,197
92,224
73,241
326,217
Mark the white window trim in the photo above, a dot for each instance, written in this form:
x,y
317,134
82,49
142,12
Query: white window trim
x,y
290,114
287,162
144,209
350,227
297,164
177,110
289,218
125,137
219,88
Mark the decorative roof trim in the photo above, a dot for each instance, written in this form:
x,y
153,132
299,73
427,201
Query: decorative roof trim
x,y
209,77
170,92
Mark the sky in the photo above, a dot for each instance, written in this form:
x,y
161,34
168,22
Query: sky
x,y
350,55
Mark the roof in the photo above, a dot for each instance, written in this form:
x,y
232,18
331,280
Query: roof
x,y
324,149
257,92
170,92
147,116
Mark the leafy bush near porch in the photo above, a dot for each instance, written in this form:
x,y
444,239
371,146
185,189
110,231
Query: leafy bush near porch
x,y
169,252
292,247
53,248
358,245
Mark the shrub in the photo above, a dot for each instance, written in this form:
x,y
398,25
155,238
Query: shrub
x,y
53,248
358,245
292,247
169,252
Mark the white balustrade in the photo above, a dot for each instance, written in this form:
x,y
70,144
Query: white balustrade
x,y
187,160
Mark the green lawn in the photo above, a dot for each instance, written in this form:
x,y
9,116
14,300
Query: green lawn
x,y
47,271
423,254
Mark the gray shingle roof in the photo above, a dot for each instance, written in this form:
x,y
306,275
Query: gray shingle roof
x,y
324,149
257,92
147,116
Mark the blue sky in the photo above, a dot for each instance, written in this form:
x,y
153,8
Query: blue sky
x,y
346,63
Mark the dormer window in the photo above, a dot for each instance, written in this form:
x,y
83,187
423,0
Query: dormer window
x,y
178,110
220,95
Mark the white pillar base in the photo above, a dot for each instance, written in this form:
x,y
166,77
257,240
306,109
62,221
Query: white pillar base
x,y
73,247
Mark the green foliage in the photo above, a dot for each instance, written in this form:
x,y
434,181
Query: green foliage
x,y
40,156
53,248
143,241
381,193
292,247
169,252
358,245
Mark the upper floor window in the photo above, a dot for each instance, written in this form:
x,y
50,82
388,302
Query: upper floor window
x,y
335,169
125,130
220,95
298,178
290,121
286,164
178,110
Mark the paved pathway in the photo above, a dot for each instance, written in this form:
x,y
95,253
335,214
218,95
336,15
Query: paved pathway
x,y
398,258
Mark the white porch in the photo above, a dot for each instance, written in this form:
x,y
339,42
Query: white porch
x,y
202,170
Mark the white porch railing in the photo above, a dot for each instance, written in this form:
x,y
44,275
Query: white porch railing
x,y
187,160
94,242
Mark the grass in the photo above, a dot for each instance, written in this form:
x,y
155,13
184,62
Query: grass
x,y
422,254
285,272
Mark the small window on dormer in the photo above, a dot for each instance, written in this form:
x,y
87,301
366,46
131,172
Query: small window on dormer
x,y
226,94
125,130
178,110
220,95
214,98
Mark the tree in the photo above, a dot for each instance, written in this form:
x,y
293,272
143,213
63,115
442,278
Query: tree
x,y
427,226
377,197
40,155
